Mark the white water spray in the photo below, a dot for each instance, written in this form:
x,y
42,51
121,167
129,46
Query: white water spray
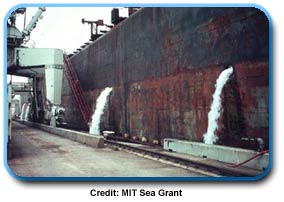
x,y
27,113
209,137
23,111
100,105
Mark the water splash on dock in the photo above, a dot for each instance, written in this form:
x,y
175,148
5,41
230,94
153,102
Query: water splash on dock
x,y
100,105
23,111
27,112
209,137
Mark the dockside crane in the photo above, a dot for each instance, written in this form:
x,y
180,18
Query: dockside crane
x,y
43,65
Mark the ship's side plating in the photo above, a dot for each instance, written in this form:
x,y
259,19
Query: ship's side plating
x,y
163,63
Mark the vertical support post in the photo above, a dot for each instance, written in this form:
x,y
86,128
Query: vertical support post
x,y
9,112
36,116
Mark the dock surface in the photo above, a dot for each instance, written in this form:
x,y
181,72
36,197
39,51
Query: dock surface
x,y
40,154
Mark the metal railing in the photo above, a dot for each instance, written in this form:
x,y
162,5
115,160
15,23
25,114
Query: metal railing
x,y
77,91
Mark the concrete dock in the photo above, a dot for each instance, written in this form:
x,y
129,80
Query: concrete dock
x,y
38,153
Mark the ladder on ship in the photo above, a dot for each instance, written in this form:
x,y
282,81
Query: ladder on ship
x,y
77,91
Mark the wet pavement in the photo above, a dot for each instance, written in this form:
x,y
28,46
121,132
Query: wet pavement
x,y
41,154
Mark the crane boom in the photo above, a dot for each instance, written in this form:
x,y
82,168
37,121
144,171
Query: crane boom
x,y
28,29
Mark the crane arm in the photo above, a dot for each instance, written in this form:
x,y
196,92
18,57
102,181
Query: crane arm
x,y
28,29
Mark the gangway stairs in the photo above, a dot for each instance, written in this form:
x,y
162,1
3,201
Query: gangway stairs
x,y
77,91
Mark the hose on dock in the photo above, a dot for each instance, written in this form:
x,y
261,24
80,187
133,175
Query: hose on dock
x,y
251,158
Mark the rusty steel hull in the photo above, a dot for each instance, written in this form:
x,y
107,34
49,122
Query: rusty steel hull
x,y
163,64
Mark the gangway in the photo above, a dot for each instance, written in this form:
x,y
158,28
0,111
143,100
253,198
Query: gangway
x,y
77,91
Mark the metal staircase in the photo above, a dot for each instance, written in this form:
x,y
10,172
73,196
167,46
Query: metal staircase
x,y
77,91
